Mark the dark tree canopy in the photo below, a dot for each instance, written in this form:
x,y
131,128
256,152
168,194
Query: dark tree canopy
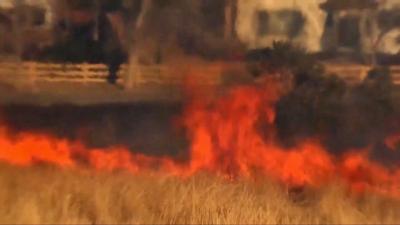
x,y
320,104
283,56
349,4
82,4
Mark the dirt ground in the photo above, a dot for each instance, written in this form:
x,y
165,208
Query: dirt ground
x,y
84,94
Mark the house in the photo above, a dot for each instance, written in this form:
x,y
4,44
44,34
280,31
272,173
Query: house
x,y
37,12
367,29
261,22
360,26
26,24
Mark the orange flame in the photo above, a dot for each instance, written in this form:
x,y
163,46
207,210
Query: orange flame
x,y
28,149
226,139
393,141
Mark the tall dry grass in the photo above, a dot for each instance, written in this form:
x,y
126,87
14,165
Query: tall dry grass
x,y
49,195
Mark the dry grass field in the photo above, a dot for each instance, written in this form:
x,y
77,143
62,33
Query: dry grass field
x,y
54,196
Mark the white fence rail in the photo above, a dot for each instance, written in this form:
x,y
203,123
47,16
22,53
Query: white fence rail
x,y
149,75
354,74
55,72
97,73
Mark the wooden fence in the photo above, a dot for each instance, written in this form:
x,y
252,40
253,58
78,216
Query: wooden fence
x,y
81,73
149,75
97,73
354,74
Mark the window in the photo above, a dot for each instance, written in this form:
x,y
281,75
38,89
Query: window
x,y
349,32
31,16
283,22
263,19
213,15
330,20
38,16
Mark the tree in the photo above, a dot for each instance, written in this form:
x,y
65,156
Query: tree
x,y
230,11
136,26
336,5
322,105
17,27
283,56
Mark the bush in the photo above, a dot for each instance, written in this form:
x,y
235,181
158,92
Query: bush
x,y
282,56
323,105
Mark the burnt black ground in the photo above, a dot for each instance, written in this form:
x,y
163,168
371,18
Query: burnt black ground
x,y
149,128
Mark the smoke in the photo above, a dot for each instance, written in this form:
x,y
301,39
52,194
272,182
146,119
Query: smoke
x,y
323,106
343,117
170,29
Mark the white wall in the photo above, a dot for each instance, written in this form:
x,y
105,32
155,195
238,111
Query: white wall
x,y
6,3
309,38
389,43
45,4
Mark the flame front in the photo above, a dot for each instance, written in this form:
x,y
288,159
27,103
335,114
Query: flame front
x,y
232,136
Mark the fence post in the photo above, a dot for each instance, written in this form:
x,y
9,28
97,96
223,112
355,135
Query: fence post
x,y
32,73
364,73
128,77
85,71
394,71
132,73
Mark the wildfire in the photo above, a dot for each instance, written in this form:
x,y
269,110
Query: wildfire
x,y
232,136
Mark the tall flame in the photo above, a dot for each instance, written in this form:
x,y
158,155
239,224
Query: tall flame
x,y
232,136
